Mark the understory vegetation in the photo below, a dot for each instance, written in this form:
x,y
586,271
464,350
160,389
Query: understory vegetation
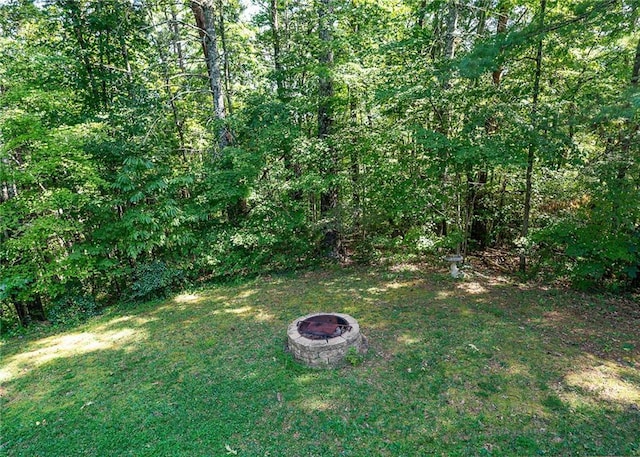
x,y
478,366
153,144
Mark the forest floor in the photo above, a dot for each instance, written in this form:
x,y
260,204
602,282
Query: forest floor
x,y
477,366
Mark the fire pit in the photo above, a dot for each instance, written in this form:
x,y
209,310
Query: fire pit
x,y
323,339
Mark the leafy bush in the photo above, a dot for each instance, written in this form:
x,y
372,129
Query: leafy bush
x,y
258,246
154,280
589,255
73,309
9,322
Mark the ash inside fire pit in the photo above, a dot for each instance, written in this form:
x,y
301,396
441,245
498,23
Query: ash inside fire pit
x,y
323,339
323,326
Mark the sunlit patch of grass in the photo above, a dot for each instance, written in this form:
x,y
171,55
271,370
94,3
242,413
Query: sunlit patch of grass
x,y
472,287
187,298
381,289
604,380
246,294
69,345
518,369
313,404
444,294
408,339
237,311
404,267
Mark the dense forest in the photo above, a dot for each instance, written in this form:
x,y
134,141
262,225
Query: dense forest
x,y
145,144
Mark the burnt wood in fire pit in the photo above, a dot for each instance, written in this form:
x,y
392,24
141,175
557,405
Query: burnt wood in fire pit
x,y
323,326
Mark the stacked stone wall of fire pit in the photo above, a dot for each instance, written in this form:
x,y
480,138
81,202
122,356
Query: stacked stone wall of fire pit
x,y
325,352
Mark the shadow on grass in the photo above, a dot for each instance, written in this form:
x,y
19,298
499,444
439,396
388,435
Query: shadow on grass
x,y
474,367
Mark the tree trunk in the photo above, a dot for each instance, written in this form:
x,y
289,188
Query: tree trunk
x,y
422,12
452,29
482,18
175,38
436,46
205,19
77,25
635,74
633,131
9,190
164,61
30,311
501,28
329,198
533,143
124,51
275,37
479,229
325,90
355,170
102,79
225,60
476,228
443,112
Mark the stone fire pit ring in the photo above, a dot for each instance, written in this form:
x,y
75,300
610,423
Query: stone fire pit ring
x,y
325,352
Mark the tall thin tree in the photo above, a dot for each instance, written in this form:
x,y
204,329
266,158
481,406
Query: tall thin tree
x,y
204,12
533,142
328,198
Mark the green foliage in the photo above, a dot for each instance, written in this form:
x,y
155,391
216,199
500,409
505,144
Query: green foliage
x,y
109,152
154,280
353,357
590,250
72,310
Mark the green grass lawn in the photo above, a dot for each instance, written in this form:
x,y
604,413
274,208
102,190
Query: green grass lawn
x,y
476,366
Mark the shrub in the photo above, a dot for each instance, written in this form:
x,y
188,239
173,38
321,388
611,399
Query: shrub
x,y
590,255
154,280
72,309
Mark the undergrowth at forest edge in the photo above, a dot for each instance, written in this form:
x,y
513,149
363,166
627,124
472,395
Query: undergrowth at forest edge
x,y
477,366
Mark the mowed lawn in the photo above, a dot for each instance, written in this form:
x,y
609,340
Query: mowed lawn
x,y
478,366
